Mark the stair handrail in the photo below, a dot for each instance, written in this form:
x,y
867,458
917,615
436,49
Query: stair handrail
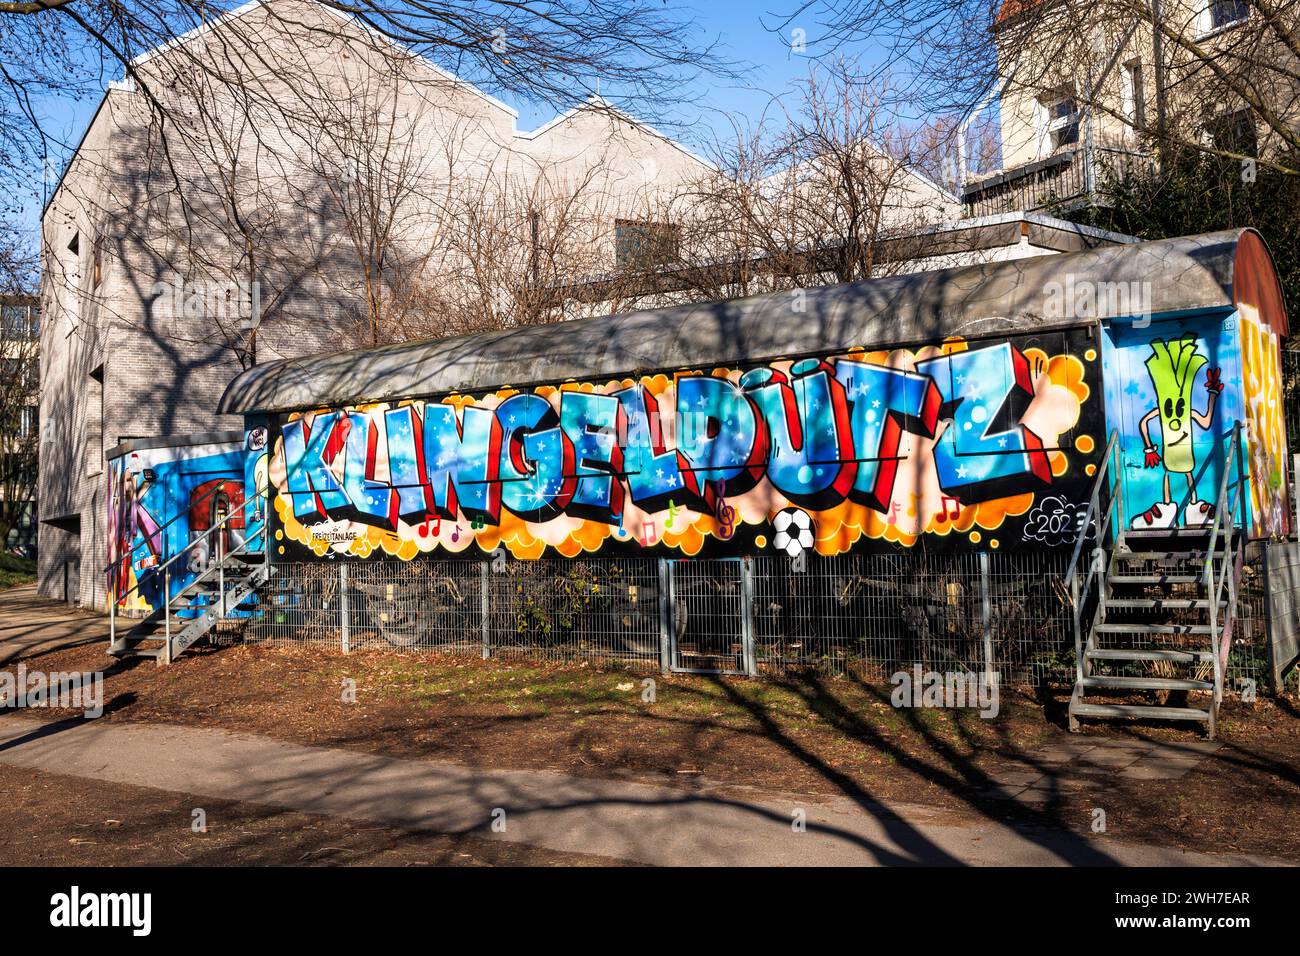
x,y
202,539
221,588
1108,478
1225,510
177,517
165,568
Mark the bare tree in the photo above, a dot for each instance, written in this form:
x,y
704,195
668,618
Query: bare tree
x,y
17,263
557,51
829,190
20,363
851,175
318,157
509,248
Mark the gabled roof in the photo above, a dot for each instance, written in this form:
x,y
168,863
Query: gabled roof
x,y
908,170
598,104
252,5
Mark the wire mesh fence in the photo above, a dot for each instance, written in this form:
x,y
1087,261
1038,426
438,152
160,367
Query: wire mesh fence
x,y
544,610
880,613
870,614
593,609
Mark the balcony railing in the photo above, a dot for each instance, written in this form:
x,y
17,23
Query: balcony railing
x,y
1068,178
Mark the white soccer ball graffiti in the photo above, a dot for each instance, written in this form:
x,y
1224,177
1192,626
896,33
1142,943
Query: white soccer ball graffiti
x,y
794,531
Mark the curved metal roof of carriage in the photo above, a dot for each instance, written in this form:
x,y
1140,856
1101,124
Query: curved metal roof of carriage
x,y
1187,274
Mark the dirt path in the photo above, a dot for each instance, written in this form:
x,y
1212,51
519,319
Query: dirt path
x,y
836,743
614,819
49,819
31,624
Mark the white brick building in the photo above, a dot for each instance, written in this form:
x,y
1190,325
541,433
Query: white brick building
x,y
121,355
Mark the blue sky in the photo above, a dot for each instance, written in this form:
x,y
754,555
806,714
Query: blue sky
x,y
738,26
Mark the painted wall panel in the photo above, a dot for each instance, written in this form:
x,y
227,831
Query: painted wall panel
x,y
1261,388
1174,395
160,500
979,444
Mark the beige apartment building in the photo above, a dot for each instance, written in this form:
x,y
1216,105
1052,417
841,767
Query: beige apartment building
x,y
20,329
1086,88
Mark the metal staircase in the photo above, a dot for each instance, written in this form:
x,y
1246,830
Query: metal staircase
x,y
225,580
1153,612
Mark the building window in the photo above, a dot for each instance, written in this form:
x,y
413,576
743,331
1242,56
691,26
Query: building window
x,y
20,370
645,245
1135,100
20,321
27,421
1061,123
97,258
1223,13
1233,132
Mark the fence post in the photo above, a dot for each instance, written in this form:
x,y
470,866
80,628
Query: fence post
x,y
665,614
483,609
747,616
986,615
345,618
1295,495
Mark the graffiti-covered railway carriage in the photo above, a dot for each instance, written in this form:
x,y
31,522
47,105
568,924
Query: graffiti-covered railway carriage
x,y
962,413
965,408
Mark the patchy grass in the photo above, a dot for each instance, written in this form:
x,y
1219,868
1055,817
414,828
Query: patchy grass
x,y
15,571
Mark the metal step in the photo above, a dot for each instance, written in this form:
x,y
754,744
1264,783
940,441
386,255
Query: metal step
x,y
1113,628
210,616
213,580
1146,683
1139,711
152,630
1161,604
135,650
1155,578
1147,654
241,581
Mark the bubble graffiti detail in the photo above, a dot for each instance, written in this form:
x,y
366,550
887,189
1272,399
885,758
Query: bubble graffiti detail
x,y
954,443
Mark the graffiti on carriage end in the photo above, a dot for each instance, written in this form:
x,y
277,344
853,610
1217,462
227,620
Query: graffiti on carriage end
x,y
949,441
161,501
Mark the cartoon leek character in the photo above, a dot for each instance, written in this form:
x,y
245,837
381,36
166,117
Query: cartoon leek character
x,y
1173,366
